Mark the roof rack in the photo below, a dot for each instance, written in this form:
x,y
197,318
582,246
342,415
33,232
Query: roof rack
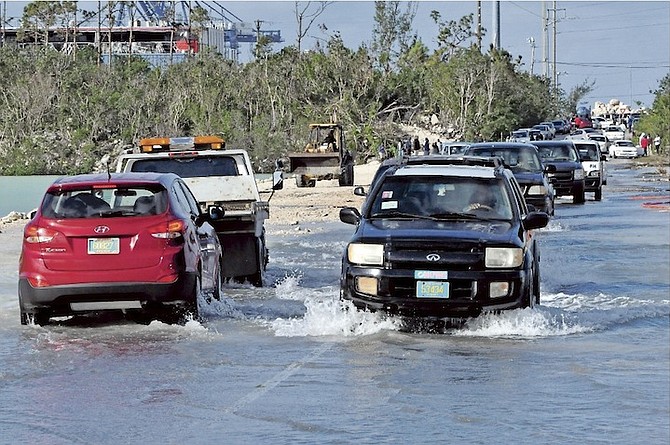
x,y
480,161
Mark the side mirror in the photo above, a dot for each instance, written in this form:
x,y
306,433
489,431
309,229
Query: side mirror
x,y
350,215
278,180
214,213
550,168
535,220
359,191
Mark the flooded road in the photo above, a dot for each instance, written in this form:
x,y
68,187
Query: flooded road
x,y
290,363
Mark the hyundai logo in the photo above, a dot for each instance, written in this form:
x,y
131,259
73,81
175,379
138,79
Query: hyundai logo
x,y
101,229
433,257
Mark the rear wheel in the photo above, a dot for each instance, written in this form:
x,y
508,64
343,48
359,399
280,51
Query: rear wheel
x,y
37,318
347,176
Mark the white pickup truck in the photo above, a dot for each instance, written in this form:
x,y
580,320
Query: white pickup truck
x,y
221,177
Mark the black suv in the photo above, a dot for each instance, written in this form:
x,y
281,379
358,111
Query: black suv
x,y
525,163
564,167
443,241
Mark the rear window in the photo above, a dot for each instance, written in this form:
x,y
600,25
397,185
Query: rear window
x,y
105,203
199,166
518,159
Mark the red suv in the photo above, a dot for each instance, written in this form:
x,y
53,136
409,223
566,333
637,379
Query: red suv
x,y
135,242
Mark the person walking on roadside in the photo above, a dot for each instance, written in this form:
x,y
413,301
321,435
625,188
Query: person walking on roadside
x,y
426,147
657,144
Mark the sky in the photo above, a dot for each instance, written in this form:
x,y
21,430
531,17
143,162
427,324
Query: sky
x,y
622,47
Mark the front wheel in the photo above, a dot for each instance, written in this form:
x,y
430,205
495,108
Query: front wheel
x,y
578,196
598,194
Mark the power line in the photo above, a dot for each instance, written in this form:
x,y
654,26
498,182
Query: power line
x,y
615,65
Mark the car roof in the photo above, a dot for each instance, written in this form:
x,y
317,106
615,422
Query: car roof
x,y
508,145
554,143
91,179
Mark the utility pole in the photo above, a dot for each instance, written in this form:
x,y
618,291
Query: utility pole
x,y
553,52
496,24
545,41
479,25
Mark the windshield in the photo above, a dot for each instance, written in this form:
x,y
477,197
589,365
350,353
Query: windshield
x,y
518,159
192,167
557,153
441,198
107,202
588,152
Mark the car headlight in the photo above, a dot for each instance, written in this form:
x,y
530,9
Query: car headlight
x,y
579,173
503,257
537,190
370,254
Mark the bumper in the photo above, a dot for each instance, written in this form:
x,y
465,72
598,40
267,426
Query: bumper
x,y
568,188
468,293
62,299
592,183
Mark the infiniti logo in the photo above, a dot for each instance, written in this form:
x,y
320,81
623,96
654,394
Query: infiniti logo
x,y
101,229
433,257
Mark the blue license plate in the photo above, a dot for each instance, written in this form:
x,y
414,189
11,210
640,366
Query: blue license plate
x,y
432,289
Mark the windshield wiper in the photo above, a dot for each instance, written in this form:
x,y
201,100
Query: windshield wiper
x,y
454,215
113,213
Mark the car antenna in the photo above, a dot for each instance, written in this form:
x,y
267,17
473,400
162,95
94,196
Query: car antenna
x,y
109,174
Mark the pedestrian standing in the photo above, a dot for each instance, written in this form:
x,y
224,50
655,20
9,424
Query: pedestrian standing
x,y
417,146
657,144
644,143
426,147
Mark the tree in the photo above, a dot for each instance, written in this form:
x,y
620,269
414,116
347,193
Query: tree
x,y
453,35
392,33
305,16
657,121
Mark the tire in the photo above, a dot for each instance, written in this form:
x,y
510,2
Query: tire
x,y
598,194
528,300
34,318
216,293
347,176
187,311
578,196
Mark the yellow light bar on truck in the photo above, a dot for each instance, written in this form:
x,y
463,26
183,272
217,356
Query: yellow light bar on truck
x,y
149,145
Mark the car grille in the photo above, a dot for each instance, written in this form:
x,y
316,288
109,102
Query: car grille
x,y
452,256
561,178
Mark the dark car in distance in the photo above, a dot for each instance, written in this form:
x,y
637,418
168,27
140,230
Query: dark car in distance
x,y
130,242
445,241
564,168
524,161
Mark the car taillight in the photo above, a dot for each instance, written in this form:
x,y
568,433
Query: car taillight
x,y
170,230
35,234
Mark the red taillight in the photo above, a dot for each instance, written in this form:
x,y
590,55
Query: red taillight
x,y
170,230
38,281
35,234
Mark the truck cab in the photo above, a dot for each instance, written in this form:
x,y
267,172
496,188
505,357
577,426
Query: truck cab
x,y
221,177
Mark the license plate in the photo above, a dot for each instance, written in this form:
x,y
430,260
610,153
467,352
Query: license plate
x,y
103,246
432,289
